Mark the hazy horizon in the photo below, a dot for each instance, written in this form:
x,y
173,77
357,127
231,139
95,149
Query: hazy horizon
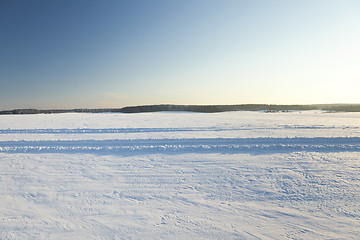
x,y
328,107
177,104
112,54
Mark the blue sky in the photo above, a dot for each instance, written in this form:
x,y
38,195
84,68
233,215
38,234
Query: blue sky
x,y
113,53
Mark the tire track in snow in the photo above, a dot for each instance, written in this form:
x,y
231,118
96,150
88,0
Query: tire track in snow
x,y
198,145
154,130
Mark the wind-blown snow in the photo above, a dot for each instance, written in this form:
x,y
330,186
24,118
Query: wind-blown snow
x,y
237,175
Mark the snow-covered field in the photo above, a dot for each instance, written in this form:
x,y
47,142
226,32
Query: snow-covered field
x,y
234,175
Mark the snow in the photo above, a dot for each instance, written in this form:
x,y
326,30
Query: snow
x,y
234,175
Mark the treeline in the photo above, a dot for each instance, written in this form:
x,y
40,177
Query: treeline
x,y
242,107
198,108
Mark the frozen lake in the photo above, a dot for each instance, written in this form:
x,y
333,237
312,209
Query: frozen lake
x,y
168,175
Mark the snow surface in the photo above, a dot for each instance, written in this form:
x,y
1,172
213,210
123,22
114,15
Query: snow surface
x,y
167,175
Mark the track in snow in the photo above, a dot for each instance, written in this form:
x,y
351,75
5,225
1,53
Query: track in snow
x,y
198,145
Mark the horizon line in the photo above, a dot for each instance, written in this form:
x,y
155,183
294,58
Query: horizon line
x,y
347,107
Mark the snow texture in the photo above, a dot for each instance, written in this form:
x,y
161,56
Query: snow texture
x,y
235,175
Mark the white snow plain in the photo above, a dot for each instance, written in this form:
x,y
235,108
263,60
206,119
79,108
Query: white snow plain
x,y
171,175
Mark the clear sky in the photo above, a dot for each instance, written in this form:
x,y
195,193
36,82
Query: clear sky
x,y
114,53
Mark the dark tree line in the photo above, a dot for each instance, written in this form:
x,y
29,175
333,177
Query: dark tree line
x,y
199,108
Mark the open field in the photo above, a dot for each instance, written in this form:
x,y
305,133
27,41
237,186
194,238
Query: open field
x,y
180,175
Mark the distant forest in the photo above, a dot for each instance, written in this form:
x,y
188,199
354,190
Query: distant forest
x,y
199,108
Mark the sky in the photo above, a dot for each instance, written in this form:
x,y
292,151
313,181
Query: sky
x,y
114,53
